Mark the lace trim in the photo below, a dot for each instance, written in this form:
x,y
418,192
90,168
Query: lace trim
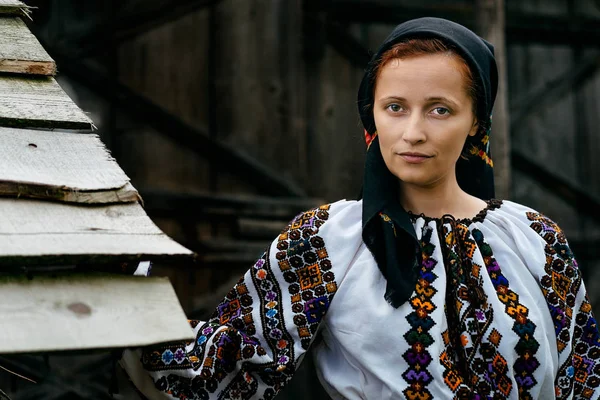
x,y
491,205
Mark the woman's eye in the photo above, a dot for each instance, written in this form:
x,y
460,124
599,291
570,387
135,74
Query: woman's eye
x,y
441,111
394,107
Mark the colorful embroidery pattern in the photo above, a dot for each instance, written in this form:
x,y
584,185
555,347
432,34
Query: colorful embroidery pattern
x,y
369,138
483,155
386,218
485,370
220,344
527,346
560,285
561,282
229,340
418,357
306,267
484,150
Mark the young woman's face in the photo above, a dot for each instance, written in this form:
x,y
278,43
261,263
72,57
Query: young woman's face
x,y
423,116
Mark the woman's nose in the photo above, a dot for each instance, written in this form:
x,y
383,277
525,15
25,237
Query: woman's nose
x,y
414,130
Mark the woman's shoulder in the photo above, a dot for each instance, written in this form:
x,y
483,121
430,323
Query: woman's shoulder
x,y
534,219
338,224
523,222
337,215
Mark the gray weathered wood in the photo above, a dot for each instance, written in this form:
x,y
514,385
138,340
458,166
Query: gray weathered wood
x,y
491,26
60,166
20,51
89,311
39,102
14,7
35,232
125,194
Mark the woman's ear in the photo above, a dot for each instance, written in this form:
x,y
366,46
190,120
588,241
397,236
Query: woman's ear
x,y
474,128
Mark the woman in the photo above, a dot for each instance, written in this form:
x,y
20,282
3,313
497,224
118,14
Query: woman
x,y
425,288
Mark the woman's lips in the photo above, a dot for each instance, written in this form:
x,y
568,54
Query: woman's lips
x,y
414,158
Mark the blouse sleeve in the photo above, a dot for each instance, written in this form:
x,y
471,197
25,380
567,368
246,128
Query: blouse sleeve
x,y
577,337
257,335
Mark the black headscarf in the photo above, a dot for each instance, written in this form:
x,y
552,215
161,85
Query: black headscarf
x,y
387,229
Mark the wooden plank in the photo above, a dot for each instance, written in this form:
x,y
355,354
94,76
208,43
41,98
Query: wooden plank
x,y
137,18
219,252
491,26
60,166
20,51
579,197
199,205
524,27
125,194
250,228
542,95
38,103
88,311
35,232
14,7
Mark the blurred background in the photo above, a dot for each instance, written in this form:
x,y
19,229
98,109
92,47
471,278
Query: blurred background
x,y
231,116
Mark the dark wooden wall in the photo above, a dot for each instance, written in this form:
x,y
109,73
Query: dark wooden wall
x,y
239,71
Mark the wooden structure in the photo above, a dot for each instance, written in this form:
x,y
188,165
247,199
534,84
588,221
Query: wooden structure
x,y
231,116
73,233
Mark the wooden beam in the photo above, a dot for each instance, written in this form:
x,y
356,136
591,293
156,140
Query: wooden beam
x,y
60,166
89,311
556,88
20,51
230,159
14,7
552,30
147,15
520,27
579,198
221,252
44,233
491,26
368,11
346,44
38,103
162,203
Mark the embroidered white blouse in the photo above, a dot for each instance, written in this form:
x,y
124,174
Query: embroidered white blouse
x,y
514,324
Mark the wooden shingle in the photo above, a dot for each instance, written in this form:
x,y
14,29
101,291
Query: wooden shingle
x,y
60,166
88,311
14,7
37,232
39,102
20,51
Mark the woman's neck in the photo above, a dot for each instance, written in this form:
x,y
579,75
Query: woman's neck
x,y
442,198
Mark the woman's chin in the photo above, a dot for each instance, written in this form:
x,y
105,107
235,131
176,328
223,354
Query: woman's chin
x,y
420,180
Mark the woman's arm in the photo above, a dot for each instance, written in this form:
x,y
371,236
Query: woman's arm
x,y
255,339
577,336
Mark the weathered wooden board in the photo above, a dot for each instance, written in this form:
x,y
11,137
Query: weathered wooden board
x,y
60,166
126,194
88,311
35,232
13,7
38,102
20,51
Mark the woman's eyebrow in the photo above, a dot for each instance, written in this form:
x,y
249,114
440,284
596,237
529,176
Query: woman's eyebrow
x,y
397,98
442,99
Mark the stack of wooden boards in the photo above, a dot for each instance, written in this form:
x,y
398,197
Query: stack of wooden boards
x,y
68,215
